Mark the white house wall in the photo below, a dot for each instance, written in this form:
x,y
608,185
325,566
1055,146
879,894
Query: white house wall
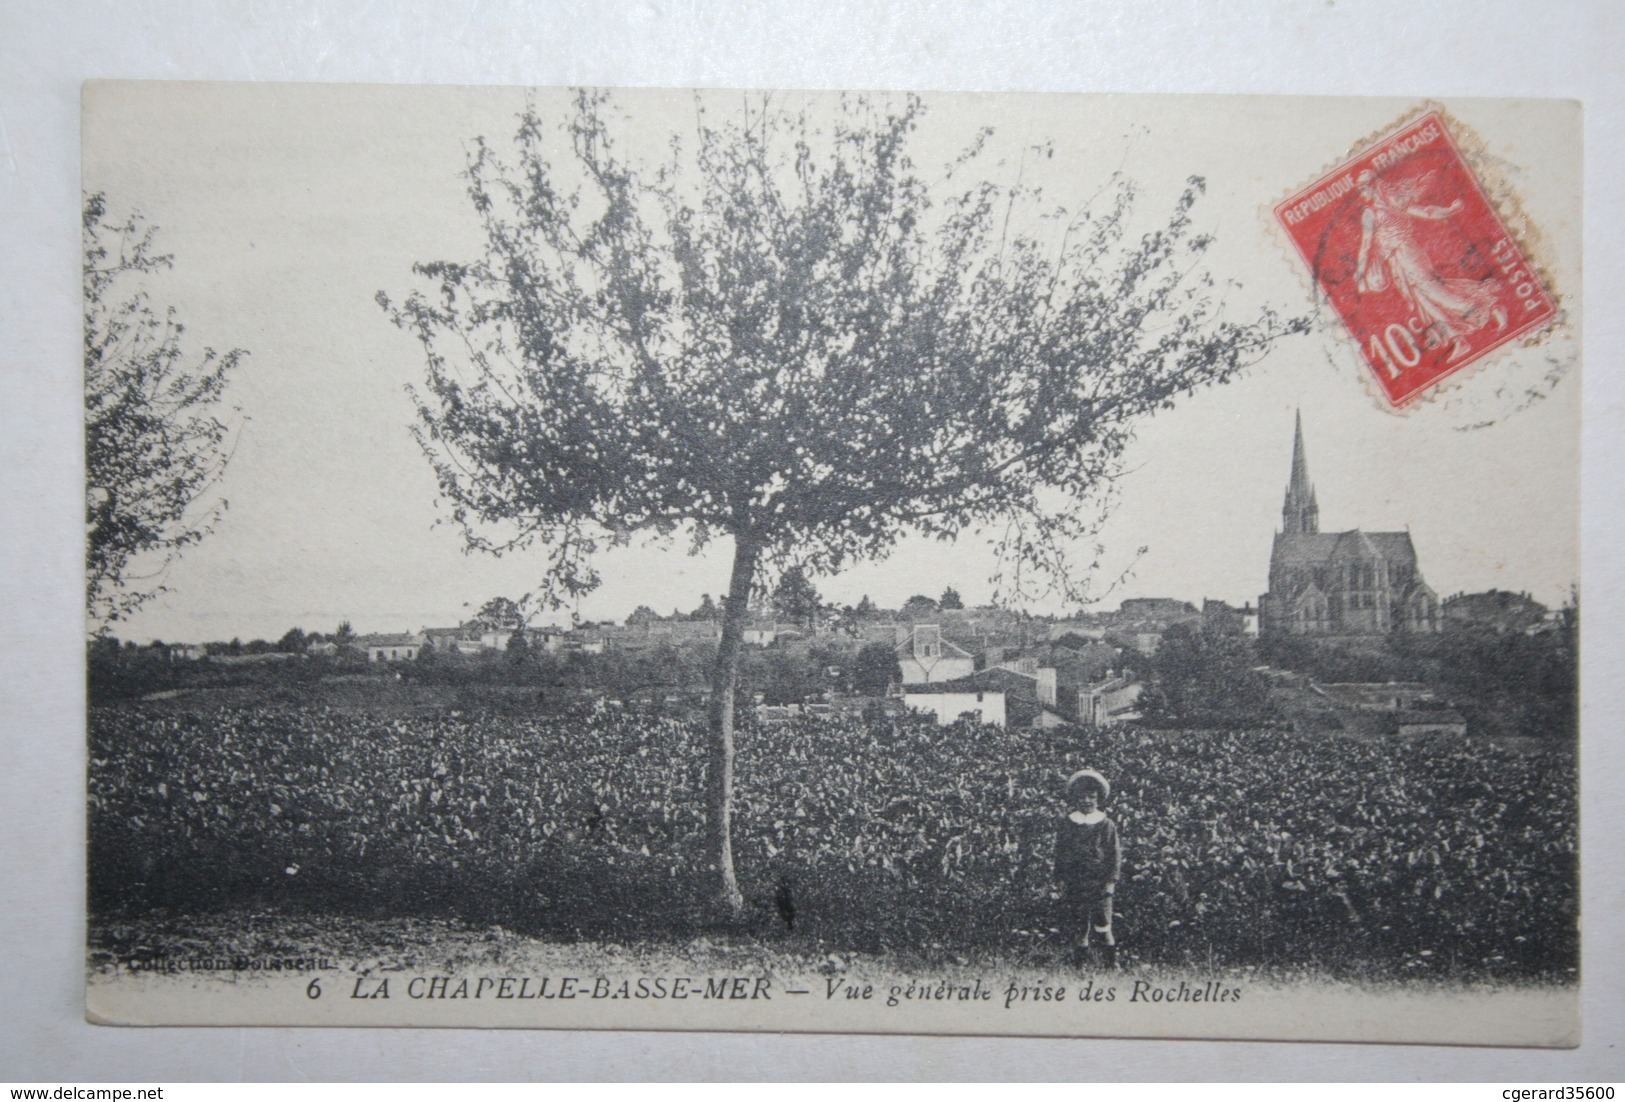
x,y
948,707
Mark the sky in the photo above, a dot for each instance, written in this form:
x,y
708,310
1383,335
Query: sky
x,y
288,208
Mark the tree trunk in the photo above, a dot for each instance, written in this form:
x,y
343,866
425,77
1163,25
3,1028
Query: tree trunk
x,y
719,779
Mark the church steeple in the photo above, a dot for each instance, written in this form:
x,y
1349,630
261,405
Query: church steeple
x,y
1300,515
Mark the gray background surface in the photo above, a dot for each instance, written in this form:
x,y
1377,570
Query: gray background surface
x,y
47,49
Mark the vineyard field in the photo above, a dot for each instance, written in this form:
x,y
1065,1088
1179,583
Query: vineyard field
x,y
1427,857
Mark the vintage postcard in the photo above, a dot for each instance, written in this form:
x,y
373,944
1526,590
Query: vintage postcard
x,y
854,562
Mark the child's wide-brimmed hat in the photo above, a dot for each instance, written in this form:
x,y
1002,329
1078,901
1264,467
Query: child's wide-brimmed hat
x,y
1095,778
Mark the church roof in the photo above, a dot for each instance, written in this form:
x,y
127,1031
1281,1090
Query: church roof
x,y
1303,548
1355,546
1394,546
1321,548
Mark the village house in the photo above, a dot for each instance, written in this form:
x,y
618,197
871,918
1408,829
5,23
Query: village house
x,y
1074,684
1378,696
494,638
925,656
1109,702
1166,610
588,638
761,633
549,639
685,632
1495,611
402,647
948,706
444,639
1030,699
1223,618
1391,707
1085,693
1084,627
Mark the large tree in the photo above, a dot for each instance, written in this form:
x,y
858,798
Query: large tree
x,y
157,429
781,336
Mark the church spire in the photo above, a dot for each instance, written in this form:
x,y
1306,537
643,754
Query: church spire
x,y
1300,514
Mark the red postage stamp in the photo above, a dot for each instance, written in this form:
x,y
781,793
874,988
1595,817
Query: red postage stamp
x,y
1422,271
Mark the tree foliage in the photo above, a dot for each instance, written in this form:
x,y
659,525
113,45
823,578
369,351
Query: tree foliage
x,y
1205,679
518,647
157,431
502,614
796,599
782,677
876,669
785,336
789,336
849,619
917,607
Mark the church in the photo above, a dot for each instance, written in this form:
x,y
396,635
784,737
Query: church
x,y
1340,583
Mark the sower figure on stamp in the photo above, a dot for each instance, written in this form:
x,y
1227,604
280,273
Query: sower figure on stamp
x,y
1088,860
1391,254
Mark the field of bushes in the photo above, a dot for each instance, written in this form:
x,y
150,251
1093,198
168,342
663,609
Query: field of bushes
x,y
1426,857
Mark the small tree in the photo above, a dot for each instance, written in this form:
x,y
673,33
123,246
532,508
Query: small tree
x,y
156,433
918,607
950,599
502,614
796,599
518,647
786,339
850,619
429,659
782,677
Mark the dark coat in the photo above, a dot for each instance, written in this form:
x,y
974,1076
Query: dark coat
x,y
1088,856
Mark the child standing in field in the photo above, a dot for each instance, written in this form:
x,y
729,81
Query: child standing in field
x,y
1088,860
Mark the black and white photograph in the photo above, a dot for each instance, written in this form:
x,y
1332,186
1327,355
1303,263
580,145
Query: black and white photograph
x,y
858,562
